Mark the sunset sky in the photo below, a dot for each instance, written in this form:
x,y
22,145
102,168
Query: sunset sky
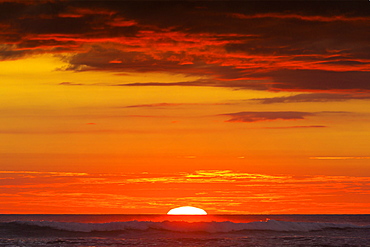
x,y
236,107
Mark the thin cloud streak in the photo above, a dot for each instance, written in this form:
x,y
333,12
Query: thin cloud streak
x,y
164,105
296,127
303,17
340,158
313,97
249,117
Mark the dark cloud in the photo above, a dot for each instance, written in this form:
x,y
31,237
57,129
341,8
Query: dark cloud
x,y
101,58
312,97
206,14
320,80
47,43
10,11
7,52
301,46
56,25
345,62
249,117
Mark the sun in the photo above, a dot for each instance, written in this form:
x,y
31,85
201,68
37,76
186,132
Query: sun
x,y
187,210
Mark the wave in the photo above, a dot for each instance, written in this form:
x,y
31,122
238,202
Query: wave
x,y
182,226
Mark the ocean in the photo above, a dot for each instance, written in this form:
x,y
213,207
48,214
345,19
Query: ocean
x,y
184,231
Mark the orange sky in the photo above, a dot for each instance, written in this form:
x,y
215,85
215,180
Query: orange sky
x,y
233,107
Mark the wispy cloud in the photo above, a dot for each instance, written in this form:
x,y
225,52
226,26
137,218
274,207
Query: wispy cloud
x,y
163,105
296,127
45,173
340,158
230,190
75,131
249,117
304,17
312,97
71,84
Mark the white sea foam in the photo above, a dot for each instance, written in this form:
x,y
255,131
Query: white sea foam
x,y
181,226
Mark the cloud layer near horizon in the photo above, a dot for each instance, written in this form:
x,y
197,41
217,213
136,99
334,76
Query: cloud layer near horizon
x,y
250,45
217,191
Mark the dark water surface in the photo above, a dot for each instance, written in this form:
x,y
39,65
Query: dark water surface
x,y
169,230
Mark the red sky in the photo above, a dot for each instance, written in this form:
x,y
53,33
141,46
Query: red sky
x,y
139,107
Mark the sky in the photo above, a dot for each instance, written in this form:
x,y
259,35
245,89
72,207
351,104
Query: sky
x,y
235,107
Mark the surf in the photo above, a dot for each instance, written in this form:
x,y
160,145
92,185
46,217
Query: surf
x,y
183,226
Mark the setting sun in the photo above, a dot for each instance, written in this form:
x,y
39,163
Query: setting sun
x,y
187,210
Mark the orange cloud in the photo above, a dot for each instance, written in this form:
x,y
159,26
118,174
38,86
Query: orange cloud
x,y
231,191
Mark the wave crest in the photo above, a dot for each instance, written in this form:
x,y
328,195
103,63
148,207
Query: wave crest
x,y
182,226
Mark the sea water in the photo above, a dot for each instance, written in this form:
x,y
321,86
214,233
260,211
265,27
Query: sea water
x,y
171,230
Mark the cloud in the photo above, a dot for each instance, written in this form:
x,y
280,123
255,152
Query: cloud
x,y
320,80
296,127
194,83
312,97
161,105
308,46
303,17
75,131
202,83
249,117
100,58
7,52
33,190
55,24
70,84
158,105
45,173
340,158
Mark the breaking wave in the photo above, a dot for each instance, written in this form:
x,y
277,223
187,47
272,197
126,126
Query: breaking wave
x,y
182,226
